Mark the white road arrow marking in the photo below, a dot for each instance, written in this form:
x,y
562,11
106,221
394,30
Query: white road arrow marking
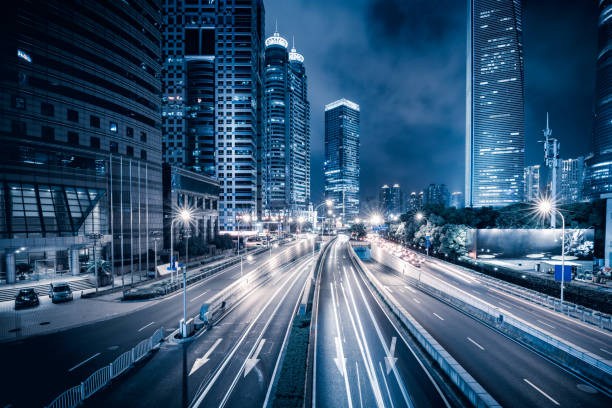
x,y
391,359
250,362
201,361
340,360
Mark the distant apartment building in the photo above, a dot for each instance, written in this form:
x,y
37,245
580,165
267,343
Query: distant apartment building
x,y
384,199
212,118
414,202
571,180
495,140
531,176
457,200
436,194
341,166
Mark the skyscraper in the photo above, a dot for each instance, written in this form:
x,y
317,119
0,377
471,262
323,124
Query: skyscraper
x,y
436,194
571,180
286,146
397,200
457,200
81,148
384,199
600,164
212,88
341,164
533,188
495,141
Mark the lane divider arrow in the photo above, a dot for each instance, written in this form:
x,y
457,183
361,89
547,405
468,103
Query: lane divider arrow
x,y
199,362
251,362
391,359
340,360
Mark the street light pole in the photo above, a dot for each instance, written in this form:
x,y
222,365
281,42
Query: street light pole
x,y
546,207
187,235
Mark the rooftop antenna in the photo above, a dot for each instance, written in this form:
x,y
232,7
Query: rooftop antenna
x,y
293,42
276,25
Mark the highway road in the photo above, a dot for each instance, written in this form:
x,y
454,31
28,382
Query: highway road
x,y
49,364
361,359
586,336
230,365
514,375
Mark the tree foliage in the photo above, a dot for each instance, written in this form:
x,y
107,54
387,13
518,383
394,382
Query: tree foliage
x,y
358,230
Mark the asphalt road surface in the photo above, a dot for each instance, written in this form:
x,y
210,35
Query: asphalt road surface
x,y
39,368
514,375
361,359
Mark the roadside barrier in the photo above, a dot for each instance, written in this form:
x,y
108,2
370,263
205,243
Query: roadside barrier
x,y
564,353
477,395
75,396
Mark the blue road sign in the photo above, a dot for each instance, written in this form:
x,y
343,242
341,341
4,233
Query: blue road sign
x,y
567,275
380,228
427,242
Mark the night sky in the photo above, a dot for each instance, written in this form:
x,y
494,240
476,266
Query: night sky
x,y
403,62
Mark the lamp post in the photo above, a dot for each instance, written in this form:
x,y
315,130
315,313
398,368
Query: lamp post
x,y
95,237
327,203
420,217
156,237
185,216
547,207
246,218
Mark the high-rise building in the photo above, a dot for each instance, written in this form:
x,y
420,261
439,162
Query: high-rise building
x,y
397,200
531,177
415,201
571,180
286,146
436,194
384,200
495,141
457,200
212,90
81,151
599,179
341,164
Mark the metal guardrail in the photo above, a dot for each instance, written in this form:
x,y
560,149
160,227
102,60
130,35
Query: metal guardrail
x,y
75,396
453,294
477,395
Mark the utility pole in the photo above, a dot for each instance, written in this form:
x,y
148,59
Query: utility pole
x,y
551,158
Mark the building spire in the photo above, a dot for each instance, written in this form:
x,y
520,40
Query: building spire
x,y
293,42
276,25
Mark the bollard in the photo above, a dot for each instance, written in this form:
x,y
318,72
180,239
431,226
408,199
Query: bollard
x,y
111,370
82,391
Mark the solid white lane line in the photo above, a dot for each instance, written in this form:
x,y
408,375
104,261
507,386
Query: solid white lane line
x,y
505,305
410,289
386,287
200,295
546,324
606,351
359,385
340,349
541,392
83,362
476,344
385,381
417,300
144,327
438,316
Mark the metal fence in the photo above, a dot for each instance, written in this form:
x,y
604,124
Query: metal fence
x,y
76,395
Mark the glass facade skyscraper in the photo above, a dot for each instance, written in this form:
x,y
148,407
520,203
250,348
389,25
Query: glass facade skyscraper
x,y
495,141
341,164
286,147
79,119
212,90
599,179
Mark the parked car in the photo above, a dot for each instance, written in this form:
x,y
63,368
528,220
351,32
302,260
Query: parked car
x,y
26,298
60,292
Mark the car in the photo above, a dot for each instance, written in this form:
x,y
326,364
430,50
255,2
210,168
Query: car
x,y
60,292
26,298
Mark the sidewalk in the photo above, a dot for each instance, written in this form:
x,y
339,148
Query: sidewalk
x,y
49,317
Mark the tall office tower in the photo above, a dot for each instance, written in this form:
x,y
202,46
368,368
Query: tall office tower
x,y
531,177
436,194
286,146
341,164
211,102
384,199
600,164
571,180
457,200
495,141
80,117
396,200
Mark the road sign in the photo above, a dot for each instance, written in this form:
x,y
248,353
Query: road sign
x,y
380,228
567,276
427,242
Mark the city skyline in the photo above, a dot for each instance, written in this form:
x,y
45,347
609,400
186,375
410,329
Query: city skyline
x,y
378,31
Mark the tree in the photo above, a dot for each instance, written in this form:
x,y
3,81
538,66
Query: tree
x,y
358,230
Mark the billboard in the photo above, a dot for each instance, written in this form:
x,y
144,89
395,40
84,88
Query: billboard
x,y
519,243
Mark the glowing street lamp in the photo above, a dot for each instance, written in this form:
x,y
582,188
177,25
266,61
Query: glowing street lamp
x,y
419,216
376,219
547,207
